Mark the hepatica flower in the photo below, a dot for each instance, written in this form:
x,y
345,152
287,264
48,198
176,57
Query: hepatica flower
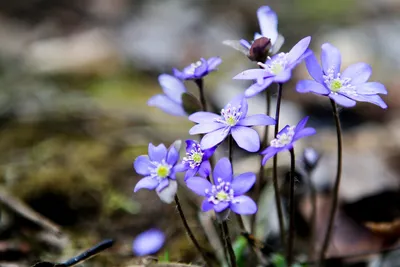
x,y
159,169
233,120
199,69
196,160
171,101
226,193
277,69
148,242
286,138
344,88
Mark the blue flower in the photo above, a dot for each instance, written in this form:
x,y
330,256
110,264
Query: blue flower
x,y
233,120
196,160
277,69
171,101
159,168
286,138
198,70
148,242
344,88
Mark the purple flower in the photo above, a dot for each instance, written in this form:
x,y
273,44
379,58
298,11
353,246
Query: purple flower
x,y
196,160
276,69
148,242
344,88
233,121
226,193
171,101
286,137
268,21
159,170
198,70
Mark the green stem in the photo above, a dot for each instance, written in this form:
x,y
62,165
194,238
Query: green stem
x,y
291,208
337,183
275,169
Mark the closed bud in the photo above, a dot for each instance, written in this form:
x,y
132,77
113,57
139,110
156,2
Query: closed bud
x,y
259,49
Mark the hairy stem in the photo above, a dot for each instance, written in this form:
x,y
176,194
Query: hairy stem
x,y
337,183
275,169
291,208
228,244
190,233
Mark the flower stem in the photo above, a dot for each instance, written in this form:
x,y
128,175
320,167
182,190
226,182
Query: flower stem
x,y
337,183
313,219
190,233
228,244
200,85
291,207
257,187
275,169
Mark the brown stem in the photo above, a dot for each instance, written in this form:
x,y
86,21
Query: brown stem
x,y
200,85
229,244
337,183
291,208
313,195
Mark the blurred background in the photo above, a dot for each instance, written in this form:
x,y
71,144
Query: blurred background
x,y
75,76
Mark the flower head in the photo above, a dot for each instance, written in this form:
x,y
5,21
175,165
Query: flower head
x,y
148,242
344,88
226,193
159,168
276,69
171,101
233,120
196,160
286,138
198,69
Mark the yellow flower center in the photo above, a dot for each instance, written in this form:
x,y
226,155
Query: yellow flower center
x,y
221,195
335,85
197,157
162,171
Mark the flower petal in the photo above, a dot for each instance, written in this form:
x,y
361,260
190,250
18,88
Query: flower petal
x,y
162,184
241,101
146,183
157,153
179,74
223,170
306,86
148,242
206,205
167,194
243,182
268,21
245,43
314,69
204,169
208,153
330,58
268,153
304,133
190,144
142,165
167,105
358,73
213,62
203,128
172,156
243,205
246,138
198,185
252,74
172,87
283,77
221,206
214,138
342,100
255,88
258,119
190,173
373,99
203,117
371,88
201,70
298,50
301,124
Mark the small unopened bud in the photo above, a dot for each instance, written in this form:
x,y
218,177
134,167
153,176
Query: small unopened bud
x,y
310,158
259,49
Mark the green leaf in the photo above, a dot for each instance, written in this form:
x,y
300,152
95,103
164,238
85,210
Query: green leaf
x,y
239,246
190,103
164,258
278,260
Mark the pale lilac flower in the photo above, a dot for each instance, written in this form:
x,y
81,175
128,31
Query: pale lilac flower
x,y
148,242
344,88
196,160
226,193
277,69
286,138
159,168
199,69
171,101
233,120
